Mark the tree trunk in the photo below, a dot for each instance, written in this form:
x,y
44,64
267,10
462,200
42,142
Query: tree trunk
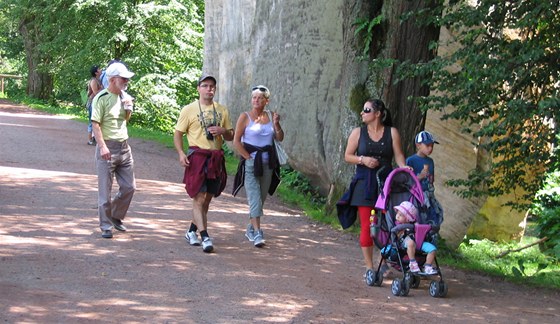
x,y
407,41
39,83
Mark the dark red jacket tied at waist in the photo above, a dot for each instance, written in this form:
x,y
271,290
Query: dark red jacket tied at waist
x,y
204,164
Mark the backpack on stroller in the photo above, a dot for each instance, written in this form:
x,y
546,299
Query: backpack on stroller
x,y
402,185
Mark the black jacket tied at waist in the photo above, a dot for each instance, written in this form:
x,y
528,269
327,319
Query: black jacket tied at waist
x,y
374,178
273,164
272,158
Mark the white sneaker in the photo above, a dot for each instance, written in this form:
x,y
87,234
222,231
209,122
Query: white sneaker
x,y
429,270
193,238
414,268
259,238
207,245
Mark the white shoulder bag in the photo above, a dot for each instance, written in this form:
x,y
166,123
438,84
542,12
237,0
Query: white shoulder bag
x,y
282,156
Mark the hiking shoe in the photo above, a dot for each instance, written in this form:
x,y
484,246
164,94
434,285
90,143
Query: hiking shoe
x,y
107,234
91,142
259,238
117,223
429,270
250,233
207,245
414,267
193,238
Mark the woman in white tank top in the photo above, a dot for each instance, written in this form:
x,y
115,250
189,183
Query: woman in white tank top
x,y
254,134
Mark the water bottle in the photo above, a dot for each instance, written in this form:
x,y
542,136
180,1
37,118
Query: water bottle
x,y
373,226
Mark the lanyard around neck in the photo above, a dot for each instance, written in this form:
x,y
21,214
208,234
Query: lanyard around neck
x,y
202,115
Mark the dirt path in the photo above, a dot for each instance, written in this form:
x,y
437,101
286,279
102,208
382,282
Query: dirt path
x,y
55,268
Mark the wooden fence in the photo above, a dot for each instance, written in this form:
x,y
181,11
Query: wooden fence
x,y
7,76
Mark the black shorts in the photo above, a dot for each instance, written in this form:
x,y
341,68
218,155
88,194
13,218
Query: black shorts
x,y
211,186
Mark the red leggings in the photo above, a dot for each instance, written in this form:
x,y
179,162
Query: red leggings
x,y
365,237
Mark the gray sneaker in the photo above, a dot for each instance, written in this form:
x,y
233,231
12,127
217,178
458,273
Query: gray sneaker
x,y
250,233
207,245
259,238
118,225
193,238
107,234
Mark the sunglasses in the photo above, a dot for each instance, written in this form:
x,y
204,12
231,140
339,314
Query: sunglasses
x,y
261,89
367,110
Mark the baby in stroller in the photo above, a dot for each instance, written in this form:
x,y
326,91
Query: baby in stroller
x,y
407,213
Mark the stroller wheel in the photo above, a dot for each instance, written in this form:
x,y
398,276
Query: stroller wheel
x,y
415,282
370,277
399,287
408,279
378,279
438,289
373,278
411,280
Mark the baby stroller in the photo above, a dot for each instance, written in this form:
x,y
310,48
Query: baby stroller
x,y
402,185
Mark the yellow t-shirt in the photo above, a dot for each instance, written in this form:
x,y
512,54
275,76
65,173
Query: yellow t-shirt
x,y
193,124
108,111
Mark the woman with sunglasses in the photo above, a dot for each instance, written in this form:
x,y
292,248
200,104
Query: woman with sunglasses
x,y
372,148
259,169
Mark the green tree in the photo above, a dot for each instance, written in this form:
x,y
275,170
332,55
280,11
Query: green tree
x,y
505,89
160,40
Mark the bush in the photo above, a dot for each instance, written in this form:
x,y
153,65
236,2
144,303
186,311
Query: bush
x,y
157,107
546,210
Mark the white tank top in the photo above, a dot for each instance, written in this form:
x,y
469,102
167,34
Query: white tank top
x,y
259,135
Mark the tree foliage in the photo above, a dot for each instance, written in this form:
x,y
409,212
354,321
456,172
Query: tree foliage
x,y
160,40
502,82
547,212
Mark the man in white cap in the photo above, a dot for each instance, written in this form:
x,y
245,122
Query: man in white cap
x,y
207,124
111,111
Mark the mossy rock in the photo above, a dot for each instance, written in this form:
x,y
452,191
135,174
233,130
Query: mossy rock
x,y
358,95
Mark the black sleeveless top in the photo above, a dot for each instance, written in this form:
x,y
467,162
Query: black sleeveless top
x,y
367,187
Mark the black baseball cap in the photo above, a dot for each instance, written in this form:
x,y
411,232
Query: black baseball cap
x,y
205,77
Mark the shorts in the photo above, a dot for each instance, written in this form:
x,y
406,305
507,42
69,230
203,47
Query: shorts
x,y
427,247
211,186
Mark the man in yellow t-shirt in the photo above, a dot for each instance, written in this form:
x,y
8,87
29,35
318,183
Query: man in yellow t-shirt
x,y
207,124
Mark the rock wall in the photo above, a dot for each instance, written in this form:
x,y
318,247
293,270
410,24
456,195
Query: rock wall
x,y
300,50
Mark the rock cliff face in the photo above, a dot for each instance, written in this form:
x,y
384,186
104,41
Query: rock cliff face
x,y
300,50
305,52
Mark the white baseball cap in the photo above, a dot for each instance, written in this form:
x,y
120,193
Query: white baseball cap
x,y
120,70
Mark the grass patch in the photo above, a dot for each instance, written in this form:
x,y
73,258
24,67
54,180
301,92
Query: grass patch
x,y
527,266
155,136
296,190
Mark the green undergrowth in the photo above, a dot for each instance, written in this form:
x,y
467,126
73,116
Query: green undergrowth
x,y
500,259
527,266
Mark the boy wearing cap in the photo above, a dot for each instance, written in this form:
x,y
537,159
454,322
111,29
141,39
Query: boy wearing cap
x,y
421,162
408,213
423,166
207,124
111,110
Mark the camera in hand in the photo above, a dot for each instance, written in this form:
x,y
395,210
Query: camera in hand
x,y
209,135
